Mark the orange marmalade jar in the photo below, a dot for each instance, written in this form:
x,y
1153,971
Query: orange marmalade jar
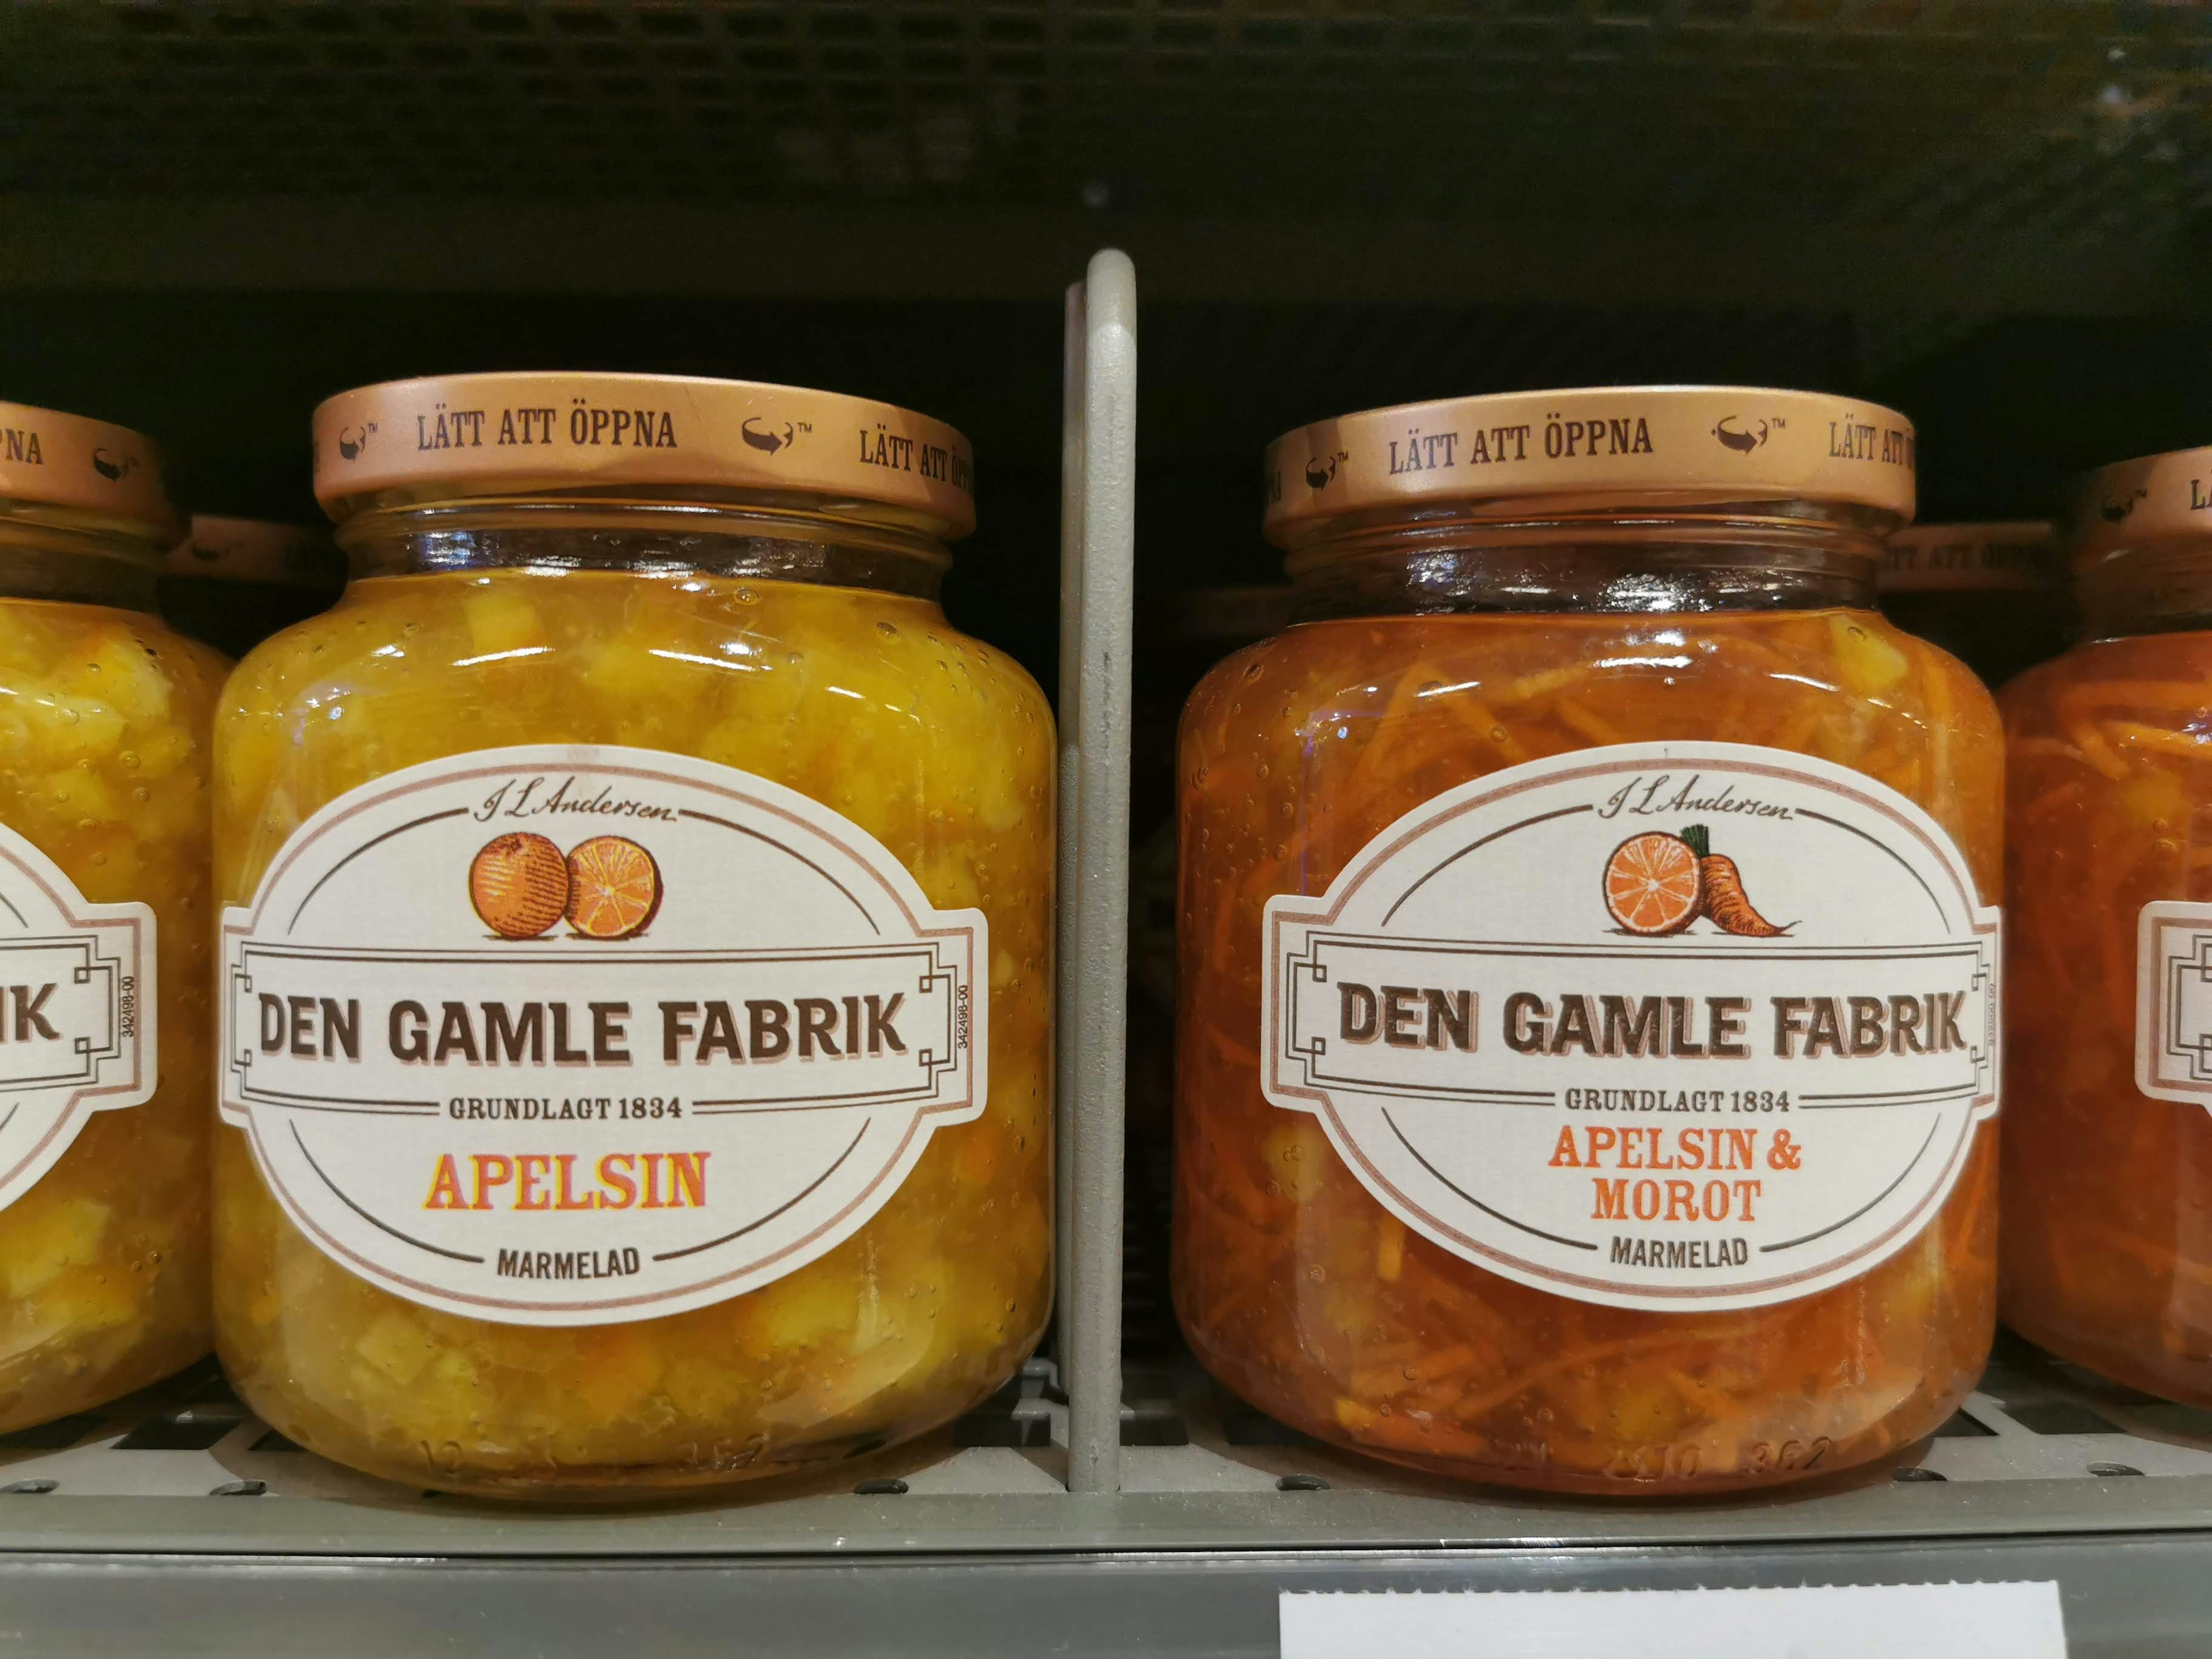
x,y
1177,643
1587,1041
2108,1158
1993,595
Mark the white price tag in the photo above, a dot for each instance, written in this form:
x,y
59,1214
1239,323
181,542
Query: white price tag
x,y
1878,1621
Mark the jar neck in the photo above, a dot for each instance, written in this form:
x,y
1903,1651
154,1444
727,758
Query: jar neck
x,y
651,538
1647,563
54,557
2161,589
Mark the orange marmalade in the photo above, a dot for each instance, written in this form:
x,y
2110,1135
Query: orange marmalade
x,y
636,1027
105,928
2108,1154
1587,1031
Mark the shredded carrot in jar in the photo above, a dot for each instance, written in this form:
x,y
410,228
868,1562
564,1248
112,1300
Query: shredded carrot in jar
x,y
2108,1192
1303,1294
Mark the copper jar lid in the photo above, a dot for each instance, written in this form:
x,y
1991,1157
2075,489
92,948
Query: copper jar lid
x,y
257,550
1533,453
2133,504
475,437
109,475
2014,557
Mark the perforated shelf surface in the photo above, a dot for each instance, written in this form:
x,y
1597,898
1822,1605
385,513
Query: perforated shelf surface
x,y
2038,1449
176,1522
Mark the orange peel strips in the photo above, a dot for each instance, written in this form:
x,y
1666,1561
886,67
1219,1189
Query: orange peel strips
x,y
2105,1261
1300,1291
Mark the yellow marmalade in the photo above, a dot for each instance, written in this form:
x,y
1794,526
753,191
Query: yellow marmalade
x,y
637,1013
104,928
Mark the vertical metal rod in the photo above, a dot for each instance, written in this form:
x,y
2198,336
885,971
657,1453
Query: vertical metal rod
x,y
1094,969
1067,923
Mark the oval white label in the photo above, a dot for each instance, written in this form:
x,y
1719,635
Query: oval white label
x,y
567,1035
1655,1025
76,1013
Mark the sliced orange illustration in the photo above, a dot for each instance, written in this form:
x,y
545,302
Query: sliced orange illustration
x,y
614,888
1654,885
518,885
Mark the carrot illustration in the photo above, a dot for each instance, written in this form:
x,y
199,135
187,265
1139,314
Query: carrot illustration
x,y
1726,904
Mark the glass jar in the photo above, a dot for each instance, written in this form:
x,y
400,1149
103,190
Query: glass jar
x,y
105,928
1587,1029
1993,595
2108,1148
233,582
636,1052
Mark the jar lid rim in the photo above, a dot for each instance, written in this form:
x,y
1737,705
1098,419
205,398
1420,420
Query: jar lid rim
x,y
458,437
116,478
1597,447
257,550
2132,503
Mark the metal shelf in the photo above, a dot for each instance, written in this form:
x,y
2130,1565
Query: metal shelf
x,y
2132,1604
193,1520
1990,115
1975,156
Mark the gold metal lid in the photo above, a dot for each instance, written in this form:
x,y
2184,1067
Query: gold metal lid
x,y
2132,504
1534,452
110,474
469,437
1932,558
255,551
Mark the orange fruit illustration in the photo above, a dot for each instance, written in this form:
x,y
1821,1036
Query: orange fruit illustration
x,y
614,888
518,885
1654,885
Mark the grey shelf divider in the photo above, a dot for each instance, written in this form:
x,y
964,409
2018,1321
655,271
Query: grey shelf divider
x,y
1098,586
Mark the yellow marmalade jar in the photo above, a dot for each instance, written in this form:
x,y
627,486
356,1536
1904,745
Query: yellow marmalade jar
x,y
104,928
233,582
638,1010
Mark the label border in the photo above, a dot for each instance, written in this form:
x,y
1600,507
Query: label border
x,y
963,942
89,921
